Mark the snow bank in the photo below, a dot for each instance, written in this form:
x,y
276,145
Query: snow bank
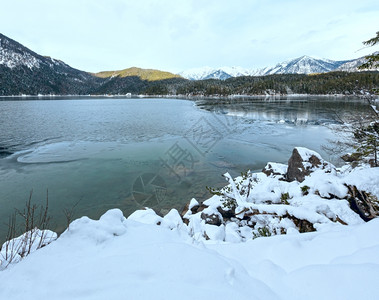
x,y
116,257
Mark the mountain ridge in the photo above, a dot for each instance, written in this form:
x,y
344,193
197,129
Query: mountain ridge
x,y
23,71
300,65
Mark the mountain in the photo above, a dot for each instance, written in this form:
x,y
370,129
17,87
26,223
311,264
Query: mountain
x,y
352,65
144,74
301,65
218,74
198,73
305,65
23,71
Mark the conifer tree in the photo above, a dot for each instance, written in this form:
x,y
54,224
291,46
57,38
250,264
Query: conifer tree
x,y
373,59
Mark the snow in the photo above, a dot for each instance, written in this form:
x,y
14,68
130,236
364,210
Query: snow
x,y
146,256
119,257
192,203
136,261
306,153
12,59
277,167
218,73
15,249
197,73
364,179
147,216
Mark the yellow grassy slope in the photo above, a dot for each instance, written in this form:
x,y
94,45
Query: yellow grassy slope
x,y
144,74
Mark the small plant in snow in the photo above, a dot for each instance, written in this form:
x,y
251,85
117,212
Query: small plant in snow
x,y
305,190
284,198
262,231
238,191
35,234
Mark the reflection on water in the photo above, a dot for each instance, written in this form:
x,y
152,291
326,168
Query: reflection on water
x,y
310,110
130,153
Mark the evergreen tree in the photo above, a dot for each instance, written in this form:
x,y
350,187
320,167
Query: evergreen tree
x,y
373,59
368,142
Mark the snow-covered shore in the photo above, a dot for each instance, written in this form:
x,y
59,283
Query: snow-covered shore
x,y
190,256
117,257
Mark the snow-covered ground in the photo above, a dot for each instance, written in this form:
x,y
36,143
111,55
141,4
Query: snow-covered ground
x,y
146,256
119,258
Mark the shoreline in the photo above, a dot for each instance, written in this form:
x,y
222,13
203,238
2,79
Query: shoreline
x,y
195,97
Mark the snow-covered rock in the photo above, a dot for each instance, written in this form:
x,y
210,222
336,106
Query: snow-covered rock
x,y
268,204
275,169
304,161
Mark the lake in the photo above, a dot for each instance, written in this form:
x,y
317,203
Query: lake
x,y
101,153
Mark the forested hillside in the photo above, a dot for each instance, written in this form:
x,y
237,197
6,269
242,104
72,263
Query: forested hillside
x,y
326,83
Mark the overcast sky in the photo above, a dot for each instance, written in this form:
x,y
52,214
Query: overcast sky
x,y
175,35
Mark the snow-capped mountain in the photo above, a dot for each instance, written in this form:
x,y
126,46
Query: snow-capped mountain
x,y
305,65
13,54
198,73
23,71
301,65
352,65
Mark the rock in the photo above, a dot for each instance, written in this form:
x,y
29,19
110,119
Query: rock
x,y
302,225
213,219
185,210
364,204
303,162
192,206
227,213
350,157
201,208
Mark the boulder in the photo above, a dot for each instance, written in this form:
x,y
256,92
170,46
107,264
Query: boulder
x,y
303,162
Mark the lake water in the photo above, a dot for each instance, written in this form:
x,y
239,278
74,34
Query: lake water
x,y
131,153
